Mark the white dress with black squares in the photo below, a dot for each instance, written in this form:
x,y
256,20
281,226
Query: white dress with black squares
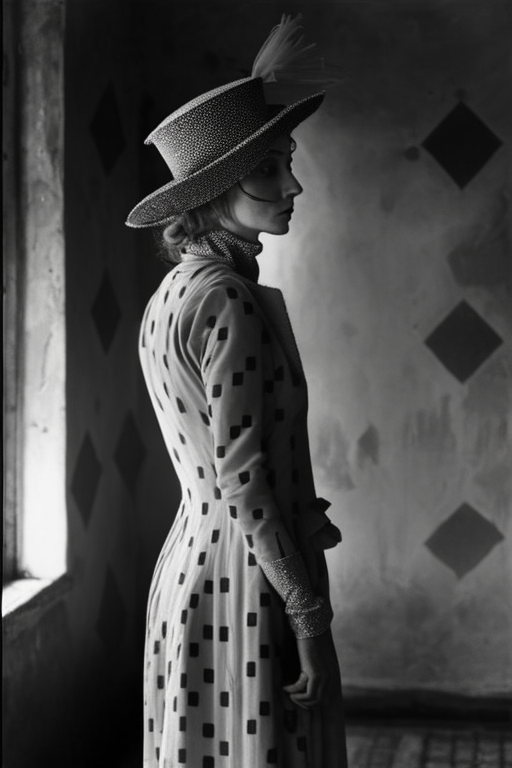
x,y
225,379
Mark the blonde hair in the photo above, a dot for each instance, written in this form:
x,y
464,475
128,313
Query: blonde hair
x,y
185,228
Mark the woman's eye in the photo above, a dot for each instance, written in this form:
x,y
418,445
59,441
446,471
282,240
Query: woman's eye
x,y
266,170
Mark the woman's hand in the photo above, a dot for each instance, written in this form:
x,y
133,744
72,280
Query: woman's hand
x,y
319,670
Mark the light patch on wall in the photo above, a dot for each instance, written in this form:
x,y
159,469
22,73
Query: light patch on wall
x,y
487,406
331,456
496,481
483,258
489,393
44,538
490,441
431,429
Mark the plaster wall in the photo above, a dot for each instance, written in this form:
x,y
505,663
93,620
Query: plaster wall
x,y
384,245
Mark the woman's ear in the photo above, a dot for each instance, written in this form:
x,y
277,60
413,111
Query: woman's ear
x,y
222,207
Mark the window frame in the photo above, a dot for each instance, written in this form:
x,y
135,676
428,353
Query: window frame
x,y
34,297
11,277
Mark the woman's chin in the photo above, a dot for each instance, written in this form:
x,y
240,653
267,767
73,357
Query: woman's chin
x,y
281,229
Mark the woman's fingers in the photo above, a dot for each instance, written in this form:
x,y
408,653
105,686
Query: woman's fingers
x,y
299,685
318,665
300,691
311,695
306,692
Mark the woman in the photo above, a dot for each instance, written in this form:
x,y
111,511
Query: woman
x,y
240,669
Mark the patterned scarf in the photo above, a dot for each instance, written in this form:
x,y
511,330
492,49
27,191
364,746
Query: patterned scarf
x,y
222,245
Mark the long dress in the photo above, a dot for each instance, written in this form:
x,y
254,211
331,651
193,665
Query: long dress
x,y
224,375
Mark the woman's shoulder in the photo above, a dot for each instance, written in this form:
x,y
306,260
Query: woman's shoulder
x,y
202,287
202,277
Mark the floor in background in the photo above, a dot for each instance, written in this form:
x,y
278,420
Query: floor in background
x,y
428,747
413,746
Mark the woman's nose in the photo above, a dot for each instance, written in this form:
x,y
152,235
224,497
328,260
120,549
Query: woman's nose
x,y
292,186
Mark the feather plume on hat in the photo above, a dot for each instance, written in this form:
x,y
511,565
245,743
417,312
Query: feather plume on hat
x,y
284,58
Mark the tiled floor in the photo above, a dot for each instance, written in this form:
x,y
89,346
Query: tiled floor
x,y
414,746
428,747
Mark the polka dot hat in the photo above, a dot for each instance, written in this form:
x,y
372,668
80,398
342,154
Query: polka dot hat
x,y
216,139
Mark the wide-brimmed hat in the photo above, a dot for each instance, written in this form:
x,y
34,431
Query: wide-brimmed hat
x,y
211,143
216,139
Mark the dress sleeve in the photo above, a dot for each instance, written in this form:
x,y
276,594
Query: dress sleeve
x,y
231,338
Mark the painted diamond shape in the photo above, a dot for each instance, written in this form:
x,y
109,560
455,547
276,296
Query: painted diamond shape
x,y
107,130
130,452
463,540
111,621
462,144
463,341
106,312
86,478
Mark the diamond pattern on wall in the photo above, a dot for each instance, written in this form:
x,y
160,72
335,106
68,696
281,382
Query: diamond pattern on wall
x,y
130,452
462,144
86,478
462,541
463,341
111,621
107,130
106,312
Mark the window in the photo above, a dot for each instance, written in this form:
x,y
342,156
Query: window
x,y
34,292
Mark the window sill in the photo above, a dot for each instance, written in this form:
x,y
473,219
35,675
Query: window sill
x,y
24,600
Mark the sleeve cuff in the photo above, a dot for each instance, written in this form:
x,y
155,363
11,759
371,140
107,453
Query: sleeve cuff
x,y
308,614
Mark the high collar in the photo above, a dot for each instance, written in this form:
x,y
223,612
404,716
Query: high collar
x,y
225,246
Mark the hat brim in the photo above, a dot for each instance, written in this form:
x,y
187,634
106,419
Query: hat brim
x,y
181,195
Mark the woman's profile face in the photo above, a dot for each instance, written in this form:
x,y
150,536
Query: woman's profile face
x,y
263,200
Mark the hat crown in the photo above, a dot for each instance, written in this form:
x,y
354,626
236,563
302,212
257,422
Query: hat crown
x,y
210,125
